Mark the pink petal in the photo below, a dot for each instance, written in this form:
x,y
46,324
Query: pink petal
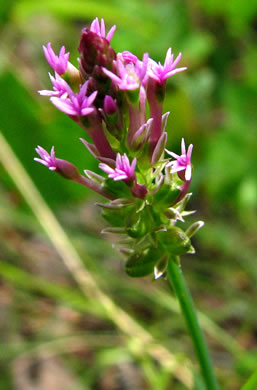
x,y
64,106
110,33
188,173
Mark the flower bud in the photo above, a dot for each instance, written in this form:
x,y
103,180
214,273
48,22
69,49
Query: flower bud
x,y
110,107
94,176
137,226
174,240
159,148
73,77
160,268
165,197
142,263
116,216
139,191
193,229
96,53
67,170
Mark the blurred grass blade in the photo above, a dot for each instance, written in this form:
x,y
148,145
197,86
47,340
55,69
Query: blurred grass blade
x,y
142,340
30,282
251,384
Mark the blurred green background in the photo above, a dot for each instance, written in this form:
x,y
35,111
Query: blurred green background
x,y
52,337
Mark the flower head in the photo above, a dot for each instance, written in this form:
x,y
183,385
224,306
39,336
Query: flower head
x,y
58,63
123,169
49,160
76,104
182,163
160,72
99,29
131,71
62,167
61,89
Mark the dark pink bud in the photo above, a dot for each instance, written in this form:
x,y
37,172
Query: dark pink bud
x,y
110,106
139,191
95,52
67,170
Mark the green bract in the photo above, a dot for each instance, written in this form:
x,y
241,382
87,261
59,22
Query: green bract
x,y
174,240
142,263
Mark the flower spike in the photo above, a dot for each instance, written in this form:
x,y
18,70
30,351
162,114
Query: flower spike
x,y
100,29
118,100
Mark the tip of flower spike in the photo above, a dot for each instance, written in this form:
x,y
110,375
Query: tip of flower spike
x,y
99,29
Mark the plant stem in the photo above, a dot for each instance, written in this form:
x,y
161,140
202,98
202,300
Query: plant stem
x,y
177,280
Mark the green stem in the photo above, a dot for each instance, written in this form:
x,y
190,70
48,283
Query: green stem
x,y
177,280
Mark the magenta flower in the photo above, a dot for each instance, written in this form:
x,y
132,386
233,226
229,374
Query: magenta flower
x,y
131,74
49,160
60,88
100,29
183,162
123,170
129,57
76,104
161,73
58,63
62,167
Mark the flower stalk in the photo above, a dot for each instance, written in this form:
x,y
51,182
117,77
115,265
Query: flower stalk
x,y
181,291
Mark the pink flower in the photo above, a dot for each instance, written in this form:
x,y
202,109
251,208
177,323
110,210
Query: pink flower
x,y
123,169
49,160
58,63
160,72
129,57
131,73
100,29
182,163
60,88
62,167
76,104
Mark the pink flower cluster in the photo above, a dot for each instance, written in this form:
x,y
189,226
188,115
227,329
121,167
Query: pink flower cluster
x,y
100,96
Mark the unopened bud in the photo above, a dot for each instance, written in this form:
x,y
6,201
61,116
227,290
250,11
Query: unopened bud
x,y
193,229
94,176
141,135
96,52
67,170
159,148
174,240
73,77
110,107
142,263
161,266
139,190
